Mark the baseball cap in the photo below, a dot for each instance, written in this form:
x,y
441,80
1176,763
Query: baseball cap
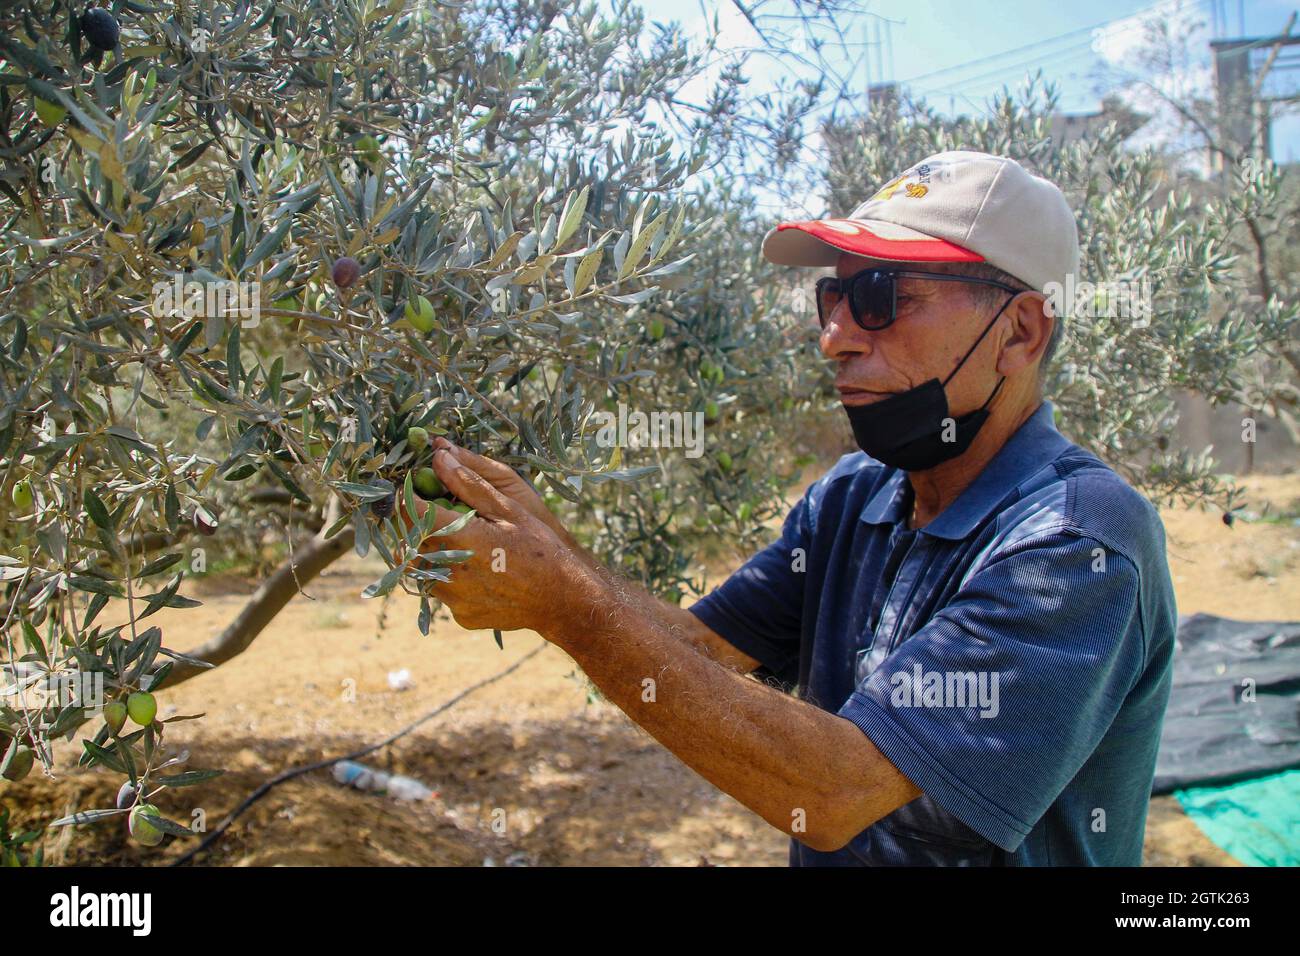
x,y
954,206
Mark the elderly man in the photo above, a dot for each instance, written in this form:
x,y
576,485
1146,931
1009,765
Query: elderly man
x,y
976,614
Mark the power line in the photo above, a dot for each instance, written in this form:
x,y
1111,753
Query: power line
x,y
996,56
1060,56
1071,52
1038,43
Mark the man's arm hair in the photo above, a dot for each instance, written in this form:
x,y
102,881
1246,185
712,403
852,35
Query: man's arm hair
x,y
678,621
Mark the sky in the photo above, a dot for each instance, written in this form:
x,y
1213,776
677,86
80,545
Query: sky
x,y
1084,47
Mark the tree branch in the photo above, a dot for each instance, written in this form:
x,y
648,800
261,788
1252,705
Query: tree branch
x,y
267,601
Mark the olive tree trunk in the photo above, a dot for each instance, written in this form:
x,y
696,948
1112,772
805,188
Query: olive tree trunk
x,y
304,564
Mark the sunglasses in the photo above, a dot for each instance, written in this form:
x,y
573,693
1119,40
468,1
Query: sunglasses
x,y
873,294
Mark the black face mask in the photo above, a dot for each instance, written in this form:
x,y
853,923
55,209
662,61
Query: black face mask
x,y
912,430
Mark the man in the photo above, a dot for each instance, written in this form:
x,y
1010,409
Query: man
x,y
977,614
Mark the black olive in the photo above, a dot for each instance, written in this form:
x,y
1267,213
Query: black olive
x,y
382,507
345,272
100,29
204,526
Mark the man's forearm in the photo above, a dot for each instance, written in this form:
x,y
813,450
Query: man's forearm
x,y
804,770
678,621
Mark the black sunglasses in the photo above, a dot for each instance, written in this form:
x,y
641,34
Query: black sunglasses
x,y
873,294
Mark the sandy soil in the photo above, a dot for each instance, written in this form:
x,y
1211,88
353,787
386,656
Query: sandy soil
x,y
527,770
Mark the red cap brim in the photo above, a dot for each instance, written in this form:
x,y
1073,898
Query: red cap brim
x,y
805,243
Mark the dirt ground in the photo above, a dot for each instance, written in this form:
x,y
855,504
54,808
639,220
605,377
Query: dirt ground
x,y
527,770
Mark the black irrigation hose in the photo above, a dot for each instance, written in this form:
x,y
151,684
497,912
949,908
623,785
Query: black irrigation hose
x,y
292,772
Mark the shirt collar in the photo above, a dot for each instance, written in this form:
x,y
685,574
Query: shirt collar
x,y
891,502
1034,444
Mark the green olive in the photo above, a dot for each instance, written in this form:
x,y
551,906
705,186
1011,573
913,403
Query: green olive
x,y
22,495
20,764
417,438
115,715
141,825
428,485
142,707
419,313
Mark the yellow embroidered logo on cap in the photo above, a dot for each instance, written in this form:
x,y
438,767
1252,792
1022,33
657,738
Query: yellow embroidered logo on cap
x,y
887,190
914,190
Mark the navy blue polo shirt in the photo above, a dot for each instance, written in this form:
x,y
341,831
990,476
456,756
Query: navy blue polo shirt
x,y
1012,658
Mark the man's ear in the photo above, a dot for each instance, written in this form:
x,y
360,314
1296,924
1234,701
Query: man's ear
x,y
1030,325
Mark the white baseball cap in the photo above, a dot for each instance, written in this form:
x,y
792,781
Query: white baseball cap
x,y
955,206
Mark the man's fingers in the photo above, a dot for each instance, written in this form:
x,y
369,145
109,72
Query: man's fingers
x,y
491,469
471,487
514,487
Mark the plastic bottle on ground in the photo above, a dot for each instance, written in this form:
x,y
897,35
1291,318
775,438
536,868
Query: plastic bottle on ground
x,y
378,781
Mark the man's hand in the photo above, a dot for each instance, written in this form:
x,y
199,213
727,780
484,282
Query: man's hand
x,y
679,620
523,574
505,480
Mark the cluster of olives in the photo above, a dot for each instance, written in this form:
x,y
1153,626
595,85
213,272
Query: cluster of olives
x,y
424,481
17,757
140,824
141,707
711,372
419,312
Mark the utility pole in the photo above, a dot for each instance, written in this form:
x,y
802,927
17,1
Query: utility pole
x,y
1245,117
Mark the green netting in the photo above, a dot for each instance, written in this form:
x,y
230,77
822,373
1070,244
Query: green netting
x,y
1257,821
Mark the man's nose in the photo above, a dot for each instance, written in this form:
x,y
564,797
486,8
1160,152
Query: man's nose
x,y
842,336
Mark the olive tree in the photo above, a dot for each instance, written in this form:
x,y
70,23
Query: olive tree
x,y
254,256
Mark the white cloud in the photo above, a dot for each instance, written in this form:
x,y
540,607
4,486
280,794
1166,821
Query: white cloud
x,y
1189,72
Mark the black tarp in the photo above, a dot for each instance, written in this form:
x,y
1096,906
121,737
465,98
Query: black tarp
x,y
1214,733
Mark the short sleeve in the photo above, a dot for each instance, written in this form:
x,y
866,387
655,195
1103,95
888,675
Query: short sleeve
x,y
759,609
997,702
